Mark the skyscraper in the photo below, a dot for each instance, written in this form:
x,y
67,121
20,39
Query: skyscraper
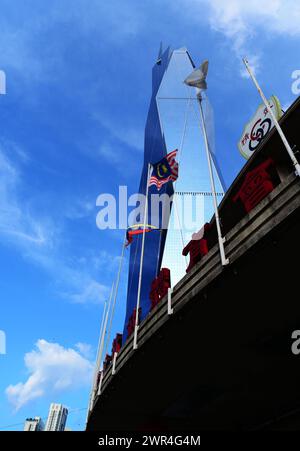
x,y
34,424
173,122
154,150
180,121
57,418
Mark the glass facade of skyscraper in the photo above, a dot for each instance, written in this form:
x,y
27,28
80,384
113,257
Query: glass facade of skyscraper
x,y
173,123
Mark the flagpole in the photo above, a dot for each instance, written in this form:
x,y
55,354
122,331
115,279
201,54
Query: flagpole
x,y
276,123
101,345
97,363
141,262
100,348
104,328
116,292
221,239
105,323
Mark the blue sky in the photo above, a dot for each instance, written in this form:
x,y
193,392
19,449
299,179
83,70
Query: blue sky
x,y
78,80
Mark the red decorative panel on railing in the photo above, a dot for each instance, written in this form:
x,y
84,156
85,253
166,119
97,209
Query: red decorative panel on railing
x,y
107,362
256,186
131,322
117,344
197,247
160,286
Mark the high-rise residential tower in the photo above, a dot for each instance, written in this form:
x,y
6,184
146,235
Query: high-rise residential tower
x,y
34,424
57,418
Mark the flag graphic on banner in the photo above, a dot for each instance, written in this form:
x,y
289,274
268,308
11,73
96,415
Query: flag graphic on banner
x,y
138,229
164,170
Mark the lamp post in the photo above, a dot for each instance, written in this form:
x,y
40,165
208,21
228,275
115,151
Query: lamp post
x,y
197,79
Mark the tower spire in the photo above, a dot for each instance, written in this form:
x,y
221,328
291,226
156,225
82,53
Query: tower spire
x,y
160,52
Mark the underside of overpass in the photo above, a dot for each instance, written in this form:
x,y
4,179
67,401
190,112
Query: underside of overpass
x,y
223,360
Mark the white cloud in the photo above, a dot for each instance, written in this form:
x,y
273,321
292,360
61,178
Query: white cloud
x,y
80,209
91,292
123,132
85,349
52,369
241,20
17,53
106,260
111,153
73,283
132,137
253,62
119,137
20,47
15,222
39,239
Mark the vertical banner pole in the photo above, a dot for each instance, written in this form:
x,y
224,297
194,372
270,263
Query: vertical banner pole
x,y
97,363
170,309
104,330
114,363
141,262
116,292
221,240
100,383
105,323
279,129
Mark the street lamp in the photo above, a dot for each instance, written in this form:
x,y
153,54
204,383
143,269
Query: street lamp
x,y
197,79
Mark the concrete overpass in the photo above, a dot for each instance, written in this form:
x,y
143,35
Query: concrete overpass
x,y
223,359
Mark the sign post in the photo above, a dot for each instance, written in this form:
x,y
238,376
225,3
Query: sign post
x,y
258,127
279,129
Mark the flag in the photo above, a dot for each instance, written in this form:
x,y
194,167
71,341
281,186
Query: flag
x,y
138,229
164,170
197,78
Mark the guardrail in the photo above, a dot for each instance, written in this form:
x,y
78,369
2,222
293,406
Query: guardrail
x,y
242,231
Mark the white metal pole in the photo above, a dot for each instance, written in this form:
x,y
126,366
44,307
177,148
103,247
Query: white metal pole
x,y
170,309
221,239
100,383
105,323
115,294
102,346
279,129
99,359
100,351
141,262
103,336
97,363
113,372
